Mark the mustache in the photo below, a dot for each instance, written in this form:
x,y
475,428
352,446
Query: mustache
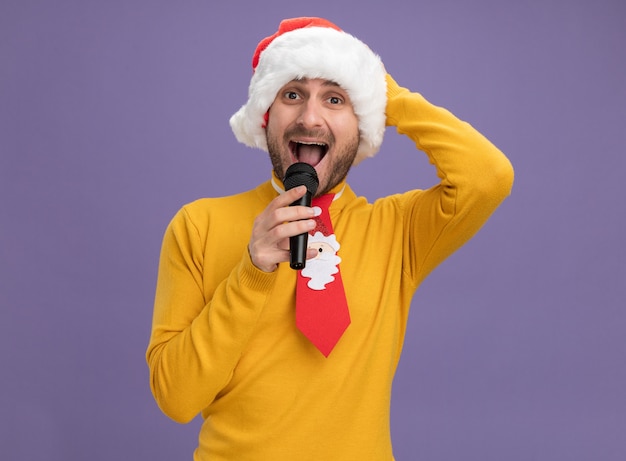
x,y
300,132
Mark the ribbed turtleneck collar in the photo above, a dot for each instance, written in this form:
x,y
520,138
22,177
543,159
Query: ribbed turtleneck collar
x,y
338,190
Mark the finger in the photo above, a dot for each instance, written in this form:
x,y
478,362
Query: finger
x,y
291,214
280,210
291,229
288,197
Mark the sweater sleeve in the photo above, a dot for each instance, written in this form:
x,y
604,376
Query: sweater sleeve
x,y
475,178
196,342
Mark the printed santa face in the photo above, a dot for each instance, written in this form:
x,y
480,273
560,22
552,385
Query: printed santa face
x,y
321,268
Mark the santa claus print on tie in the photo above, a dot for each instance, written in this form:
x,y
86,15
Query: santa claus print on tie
x,y
320,270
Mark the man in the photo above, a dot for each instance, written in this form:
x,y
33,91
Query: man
x,y
228,339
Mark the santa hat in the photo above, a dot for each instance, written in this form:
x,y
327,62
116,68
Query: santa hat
x,y
315,48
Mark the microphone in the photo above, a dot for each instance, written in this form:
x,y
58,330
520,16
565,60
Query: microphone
x,y
300,174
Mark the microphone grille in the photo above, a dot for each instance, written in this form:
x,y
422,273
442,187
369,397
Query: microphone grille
x,y
301,174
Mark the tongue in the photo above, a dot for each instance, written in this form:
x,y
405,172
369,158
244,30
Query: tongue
x,y
310,153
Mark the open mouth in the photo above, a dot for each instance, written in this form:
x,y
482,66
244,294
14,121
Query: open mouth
x,y
308,152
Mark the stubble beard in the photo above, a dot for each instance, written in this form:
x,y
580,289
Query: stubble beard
x,y
340,165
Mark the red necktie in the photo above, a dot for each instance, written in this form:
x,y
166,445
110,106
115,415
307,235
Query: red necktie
x,y
321,308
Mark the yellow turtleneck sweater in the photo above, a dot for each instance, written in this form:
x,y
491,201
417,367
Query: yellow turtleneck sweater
x,y
224,340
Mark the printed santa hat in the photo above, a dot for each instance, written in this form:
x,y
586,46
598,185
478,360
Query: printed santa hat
x,y
315,48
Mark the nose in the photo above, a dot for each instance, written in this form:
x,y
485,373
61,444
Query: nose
x,y
311,114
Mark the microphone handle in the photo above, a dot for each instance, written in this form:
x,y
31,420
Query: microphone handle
x,y
298,243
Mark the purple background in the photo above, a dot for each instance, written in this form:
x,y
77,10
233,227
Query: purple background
x,y
114,113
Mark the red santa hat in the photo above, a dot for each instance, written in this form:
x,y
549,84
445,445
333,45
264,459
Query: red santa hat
x,y
315,48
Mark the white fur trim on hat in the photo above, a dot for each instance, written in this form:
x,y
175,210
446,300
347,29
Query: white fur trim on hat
x,y
317,52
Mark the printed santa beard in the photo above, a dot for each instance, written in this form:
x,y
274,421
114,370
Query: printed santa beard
x,y
321,268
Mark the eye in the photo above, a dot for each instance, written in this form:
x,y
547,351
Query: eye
x,y
335,100
291,95
320,249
